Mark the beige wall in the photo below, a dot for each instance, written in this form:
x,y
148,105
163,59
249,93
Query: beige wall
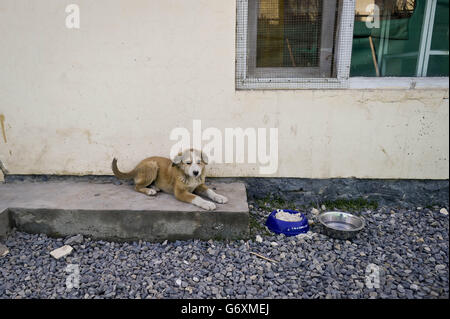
x,y
73,99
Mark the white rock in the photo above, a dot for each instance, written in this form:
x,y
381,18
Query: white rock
x,y
61,252
274,244
444,211
307,235
440,267
323,207
3,250
178,282
315,211
259,239
414,287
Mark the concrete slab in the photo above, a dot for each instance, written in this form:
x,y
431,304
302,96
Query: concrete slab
x,y
117,212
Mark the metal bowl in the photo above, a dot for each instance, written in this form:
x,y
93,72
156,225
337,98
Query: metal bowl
x,y
340,224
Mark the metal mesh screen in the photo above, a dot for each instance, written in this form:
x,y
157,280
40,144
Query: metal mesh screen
x,y
293,43
288,33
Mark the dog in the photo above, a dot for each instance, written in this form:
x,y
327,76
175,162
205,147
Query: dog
x,y
184,177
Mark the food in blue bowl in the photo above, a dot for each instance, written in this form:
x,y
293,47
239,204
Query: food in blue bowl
x,y
288,222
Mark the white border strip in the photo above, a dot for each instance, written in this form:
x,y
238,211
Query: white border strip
x,y
398,83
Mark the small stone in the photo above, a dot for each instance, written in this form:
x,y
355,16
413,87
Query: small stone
x,y
195,279
440,267
77,239
414,287
274,244
61,252
315,211
3,250
359,284
323,207
178,282
259,239
444,211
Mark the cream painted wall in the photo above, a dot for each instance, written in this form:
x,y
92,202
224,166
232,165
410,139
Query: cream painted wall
x,y
74,99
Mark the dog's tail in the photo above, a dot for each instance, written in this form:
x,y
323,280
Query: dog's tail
x,y
120,174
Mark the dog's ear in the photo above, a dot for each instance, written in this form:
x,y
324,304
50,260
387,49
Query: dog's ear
x,y
204,158
177,159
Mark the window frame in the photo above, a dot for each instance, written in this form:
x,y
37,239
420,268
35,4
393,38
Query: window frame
x,y
343,44
327,42
343,54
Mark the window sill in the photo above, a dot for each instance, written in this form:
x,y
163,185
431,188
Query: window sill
x,y
398,83
355,83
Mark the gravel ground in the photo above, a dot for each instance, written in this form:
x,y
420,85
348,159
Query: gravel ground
x,y
408,247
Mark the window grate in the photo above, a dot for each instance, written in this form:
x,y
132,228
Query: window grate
x,y
293,43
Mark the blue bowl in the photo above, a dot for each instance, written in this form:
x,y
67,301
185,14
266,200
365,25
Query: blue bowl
x,y
285,227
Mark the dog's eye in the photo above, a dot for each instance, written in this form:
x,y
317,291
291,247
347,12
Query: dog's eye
x,y
189,162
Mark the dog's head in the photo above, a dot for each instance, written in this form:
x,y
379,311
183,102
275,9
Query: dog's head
x,y
192,162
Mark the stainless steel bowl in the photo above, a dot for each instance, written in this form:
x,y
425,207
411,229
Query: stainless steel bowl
x,y
340,224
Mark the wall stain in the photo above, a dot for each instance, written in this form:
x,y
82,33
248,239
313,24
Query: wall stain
x,y
391,162
66,132
2,123
294,130
88,135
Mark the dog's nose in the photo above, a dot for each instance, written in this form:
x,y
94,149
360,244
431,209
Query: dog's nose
x,y
195,173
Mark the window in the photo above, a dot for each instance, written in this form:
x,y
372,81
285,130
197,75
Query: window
x,y
400,38
293,38
284,44
293,43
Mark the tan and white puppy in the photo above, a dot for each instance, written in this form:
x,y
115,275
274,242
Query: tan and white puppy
x,y
183,177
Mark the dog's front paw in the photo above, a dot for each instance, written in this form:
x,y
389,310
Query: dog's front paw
x,y
220,199
150,192
207,205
